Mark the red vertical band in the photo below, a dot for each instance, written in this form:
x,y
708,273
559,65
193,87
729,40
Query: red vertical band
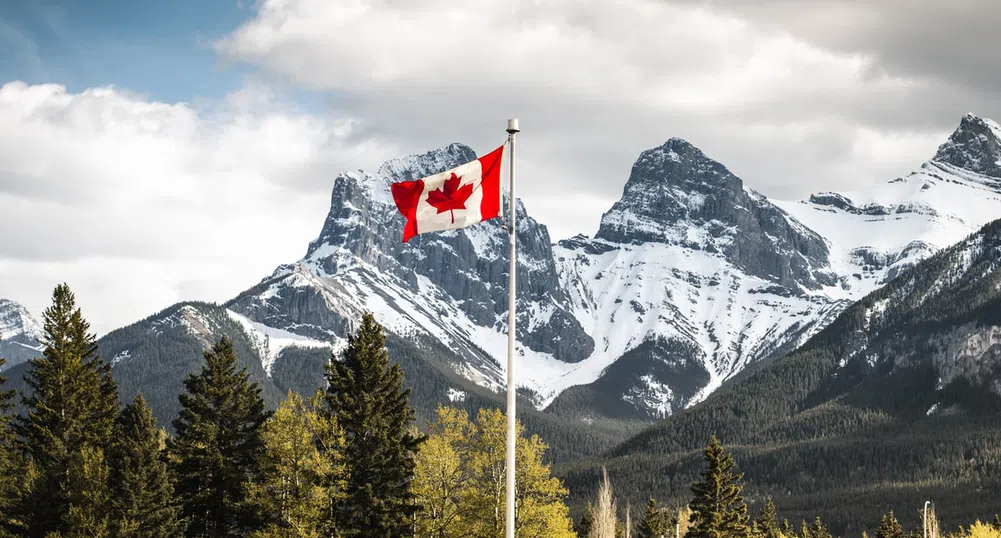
x,y
490,164
407,195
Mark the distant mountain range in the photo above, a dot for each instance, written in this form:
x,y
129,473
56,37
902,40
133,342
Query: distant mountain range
x,y
692,278
896,402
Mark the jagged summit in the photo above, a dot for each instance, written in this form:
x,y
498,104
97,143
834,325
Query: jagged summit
x,y
975,146
19,333
15,320
677,195
421,165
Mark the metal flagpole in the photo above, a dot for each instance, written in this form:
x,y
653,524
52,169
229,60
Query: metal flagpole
x,y
512,130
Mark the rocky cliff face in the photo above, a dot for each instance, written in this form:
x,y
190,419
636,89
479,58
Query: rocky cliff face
x,y
19,334
449,285
679,196
974,146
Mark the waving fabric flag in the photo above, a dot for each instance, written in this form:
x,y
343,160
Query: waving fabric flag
x,y
455,198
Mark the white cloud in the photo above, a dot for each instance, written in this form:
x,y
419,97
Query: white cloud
x,y
139,204
594,83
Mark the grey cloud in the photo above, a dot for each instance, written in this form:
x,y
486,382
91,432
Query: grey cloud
x,y
956,41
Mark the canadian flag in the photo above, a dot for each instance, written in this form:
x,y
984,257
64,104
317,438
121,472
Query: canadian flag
x,y
455,198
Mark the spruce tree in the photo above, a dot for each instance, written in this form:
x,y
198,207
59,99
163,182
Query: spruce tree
x,y
768,520
786,529
217,446
70,407
997,522
889,527
718,509
818,530
367,398
586,522
655,522
142,496
8,461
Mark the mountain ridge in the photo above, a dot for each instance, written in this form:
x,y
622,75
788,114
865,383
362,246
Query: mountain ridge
x,y
691,267
19,333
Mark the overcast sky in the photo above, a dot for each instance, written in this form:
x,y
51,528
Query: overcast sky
x,y
153,152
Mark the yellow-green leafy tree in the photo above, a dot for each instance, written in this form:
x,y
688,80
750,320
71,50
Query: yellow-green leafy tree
x,y
460,481
442,476
302,472
978,530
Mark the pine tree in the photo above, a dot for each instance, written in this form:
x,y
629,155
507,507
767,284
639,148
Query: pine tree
x,y
71,405
217,446
90,500
586,522
365,395
143,504
818,530
655,523
768,520
786,529
889,527
9,462
718,509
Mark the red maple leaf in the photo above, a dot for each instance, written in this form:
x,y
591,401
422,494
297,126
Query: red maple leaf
x,y
452,197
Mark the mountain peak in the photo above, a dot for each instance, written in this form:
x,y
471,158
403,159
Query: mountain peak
x,y
15,320
421,165
975,146
19,333
675,150
677,195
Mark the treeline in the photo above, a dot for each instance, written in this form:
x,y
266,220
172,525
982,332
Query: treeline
x,y
346,461
717,509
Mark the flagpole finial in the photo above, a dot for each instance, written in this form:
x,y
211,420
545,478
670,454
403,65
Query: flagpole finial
x,y
512,126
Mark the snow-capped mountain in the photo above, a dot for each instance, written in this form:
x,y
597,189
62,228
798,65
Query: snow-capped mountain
x,y
690,270
19,333
879,232
450,286
690,254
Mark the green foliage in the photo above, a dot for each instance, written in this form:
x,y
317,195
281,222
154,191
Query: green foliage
x,y
365,395
767,522
302,471
979,530
70,407
817,530
459,483
161,351
889,527
89,509
10,462
586,522
656,522
718,509
142,496
218,445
